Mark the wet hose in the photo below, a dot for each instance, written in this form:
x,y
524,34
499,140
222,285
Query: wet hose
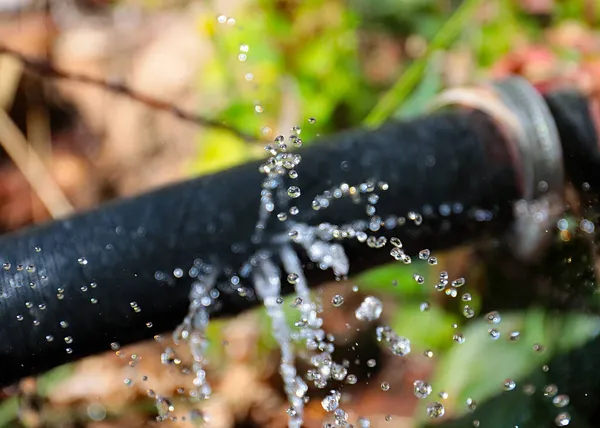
x,y
121,273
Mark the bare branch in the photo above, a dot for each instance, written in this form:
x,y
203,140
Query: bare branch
x,y
45,69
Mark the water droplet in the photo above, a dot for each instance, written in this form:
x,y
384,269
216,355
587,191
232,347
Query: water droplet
x,y
471,405
418,278
371,363
396,242
435,410
337,300
493,317
468,311
19,317
221,19
458,282
494,333
424,254
244,48
561,400
312,120
540,349
293,191
466,297
370,309
428,353
514,336
563,419
331,401
432,261
459,338
385,386
38,249
82,261
231,21
292,278
424,307
550,390
509,384
6,266
422,389
68,339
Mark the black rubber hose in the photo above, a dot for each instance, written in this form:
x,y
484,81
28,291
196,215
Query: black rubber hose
x,y
579,139
75,286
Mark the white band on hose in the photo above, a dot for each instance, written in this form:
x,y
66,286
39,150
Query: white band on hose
x,y
516,104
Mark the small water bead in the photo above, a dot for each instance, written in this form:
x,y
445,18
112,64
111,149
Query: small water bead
x,y
82,261
424,254
68,339
337,300
19,317
466,297
529,390
419,279
509,384
30,268
468,311
493,317
545,368
20,268
422,389
63,324
451,292
471,405
540,349
221,19
296,302
459,338
443,395
396,242
244,48
331,401
369,310
6,266
371,363
424,307
494,333
514,336
432,261
37,249
292,278
561,400
293,191
550,390
476,423
279,300
231,21
428,353
351,379
457,283
294,211
69,350
385,386
363,423
435,410
28,305
563,419
49,338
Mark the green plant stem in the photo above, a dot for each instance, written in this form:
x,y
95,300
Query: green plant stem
x,y
398,93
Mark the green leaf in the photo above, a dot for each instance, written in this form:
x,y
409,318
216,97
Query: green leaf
x,y
478,368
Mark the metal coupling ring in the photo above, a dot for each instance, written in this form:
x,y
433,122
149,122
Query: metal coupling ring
x,y
522,112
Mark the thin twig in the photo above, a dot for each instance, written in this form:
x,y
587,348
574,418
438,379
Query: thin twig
x,y
45,69
33,168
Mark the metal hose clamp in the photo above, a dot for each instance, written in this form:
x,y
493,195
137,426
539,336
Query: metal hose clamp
x,y
522,112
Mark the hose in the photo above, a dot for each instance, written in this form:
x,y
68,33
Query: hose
x,y
70,288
